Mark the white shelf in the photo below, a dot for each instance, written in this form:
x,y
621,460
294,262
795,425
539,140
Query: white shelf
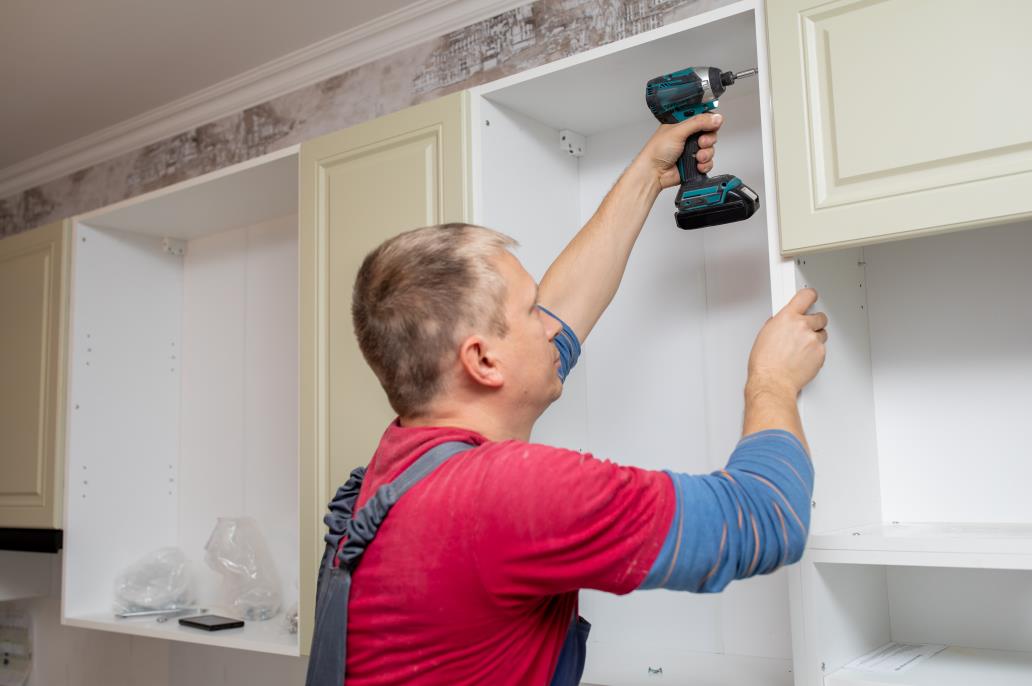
x,y
954,544
952,667
270,636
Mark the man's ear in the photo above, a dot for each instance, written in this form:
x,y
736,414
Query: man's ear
x,y
480,362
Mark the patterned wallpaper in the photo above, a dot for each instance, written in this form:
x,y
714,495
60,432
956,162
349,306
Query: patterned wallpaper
x,y
508,43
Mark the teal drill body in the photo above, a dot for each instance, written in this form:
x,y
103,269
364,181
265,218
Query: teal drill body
x,y
701,200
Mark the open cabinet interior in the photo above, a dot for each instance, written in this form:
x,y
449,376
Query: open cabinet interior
x,y
976,621
659,383
184,395
920,413
922,527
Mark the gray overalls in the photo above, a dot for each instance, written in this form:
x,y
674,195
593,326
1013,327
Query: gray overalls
x,y
357,530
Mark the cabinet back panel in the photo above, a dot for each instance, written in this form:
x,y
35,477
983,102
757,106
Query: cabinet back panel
x,y
529,191
646,401
123,437
667,368
975,608
239,396
950,325
847,610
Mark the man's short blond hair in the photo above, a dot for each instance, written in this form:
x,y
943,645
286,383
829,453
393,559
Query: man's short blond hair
x,y
417,296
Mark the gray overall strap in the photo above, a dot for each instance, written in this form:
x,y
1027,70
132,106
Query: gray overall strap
x,y
326,664
366,522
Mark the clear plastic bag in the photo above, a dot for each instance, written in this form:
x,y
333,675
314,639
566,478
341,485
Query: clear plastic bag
x,y
160,580
290,619
237,551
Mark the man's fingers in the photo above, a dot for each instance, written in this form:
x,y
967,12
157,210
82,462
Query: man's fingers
x,y
701,122
707,140
706,168
802,301
704,155
822,336
817,321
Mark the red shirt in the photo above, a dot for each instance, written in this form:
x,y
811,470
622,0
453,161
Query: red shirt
x,y
473,576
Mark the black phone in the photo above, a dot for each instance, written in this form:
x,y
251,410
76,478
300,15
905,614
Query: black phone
x,y
211,622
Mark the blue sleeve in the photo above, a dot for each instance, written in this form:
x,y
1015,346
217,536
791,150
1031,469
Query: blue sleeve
x,y
750,518
568,345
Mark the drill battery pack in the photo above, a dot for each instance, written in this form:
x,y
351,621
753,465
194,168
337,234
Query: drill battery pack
x,y
716,200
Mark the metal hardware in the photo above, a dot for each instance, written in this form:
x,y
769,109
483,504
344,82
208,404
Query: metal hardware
x,y
573,142
173,246
154,613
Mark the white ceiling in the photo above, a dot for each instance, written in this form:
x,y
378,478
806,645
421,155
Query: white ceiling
x,y
72,67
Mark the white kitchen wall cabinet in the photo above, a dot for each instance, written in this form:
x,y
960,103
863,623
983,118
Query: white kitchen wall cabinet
x,y
899,118
33,327
920,526
183,397
659,384
359,187
210,321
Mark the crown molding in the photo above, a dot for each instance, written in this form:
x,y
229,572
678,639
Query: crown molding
x,y
410,25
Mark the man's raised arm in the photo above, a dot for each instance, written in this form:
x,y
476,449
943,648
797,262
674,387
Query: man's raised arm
x,y
583,280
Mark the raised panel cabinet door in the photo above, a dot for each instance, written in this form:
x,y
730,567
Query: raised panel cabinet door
x,y
898,118
33,330
359,187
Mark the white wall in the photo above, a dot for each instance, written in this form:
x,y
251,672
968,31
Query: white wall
x,y
64,656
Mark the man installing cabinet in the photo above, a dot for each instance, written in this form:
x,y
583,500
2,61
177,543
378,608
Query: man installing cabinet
x,y
474,575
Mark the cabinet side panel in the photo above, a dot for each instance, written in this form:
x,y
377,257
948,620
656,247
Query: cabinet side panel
x,y
123,442
529,192
849,609
738,302
838,406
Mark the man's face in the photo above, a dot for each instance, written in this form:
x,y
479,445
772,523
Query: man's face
x,y
530,358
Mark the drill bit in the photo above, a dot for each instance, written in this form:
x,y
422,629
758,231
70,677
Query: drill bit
x,y
746,72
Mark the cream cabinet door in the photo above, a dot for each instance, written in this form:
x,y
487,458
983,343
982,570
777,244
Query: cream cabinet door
x,y
358,187
33,329
899,118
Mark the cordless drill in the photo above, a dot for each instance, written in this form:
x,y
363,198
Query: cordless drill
x,y
701,200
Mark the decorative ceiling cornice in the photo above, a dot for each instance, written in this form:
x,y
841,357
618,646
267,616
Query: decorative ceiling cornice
x,y
415,23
